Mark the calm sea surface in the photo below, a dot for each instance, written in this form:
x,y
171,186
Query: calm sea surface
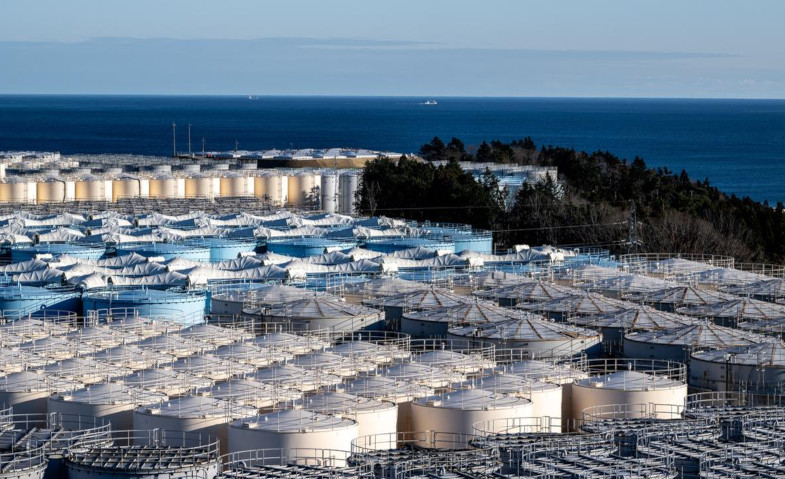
x,y
738,144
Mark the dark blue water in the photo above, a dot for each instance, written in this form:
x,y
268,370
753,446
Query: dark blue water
x,y
738,144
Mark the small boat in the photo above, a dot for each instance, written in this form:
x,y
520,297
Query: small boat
x,y
251,97
429,102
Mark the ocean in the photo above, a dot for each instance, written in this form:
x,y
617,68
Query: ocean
x,y
739,145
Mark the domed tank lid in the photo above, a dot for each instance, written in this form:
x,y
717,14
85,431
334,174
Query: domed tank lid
x,y
384,287
581,303
290,342
639,317
248,388
126,177
422,373
320,307
89,178
112,393
198,406
477,312
543,371
741,308
684,295
507,384
531,328
387,388
529,291
473,400
29,381
165,379
629,381
704,334
431,298
771,354
338,402
295,421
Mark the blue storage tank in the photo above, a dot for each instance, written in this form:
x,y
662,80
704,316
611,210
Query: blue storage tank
x,y
188,306
304,247
390,245
21,253
465,238
29,299
192,250
227,248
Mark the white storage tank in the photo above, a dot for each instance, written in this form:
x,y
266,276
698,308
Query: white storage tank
x,y
90,188
383,388
303,188
296,378
27,391
546,398
677,344
457,412
272,186
51,190
126,186
199,186
204,414
372,416
329,192
628,387
757,369
235,184
113,401
348,184
163,187
292,429
13,190
435,323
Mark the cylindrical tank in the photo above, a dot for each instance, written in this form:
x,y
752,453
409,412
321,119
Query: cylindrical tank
x,y
325,313
546,398
154,303
203,414
457,412
302,189
163,187
627,387
51,190
194,250
222,249
13,190
348,184
401,393
114,402
270,185
292,429
126,186
199,186
329,191
90,188
235,185
758,369
27,391
372,416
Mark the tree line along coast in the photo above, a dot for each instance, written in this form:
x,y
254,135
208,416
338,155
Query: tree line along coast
x,y
598,199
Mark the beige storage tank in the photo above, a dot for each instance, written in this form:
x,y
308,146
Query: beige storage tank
x,y
401,393
90,188
546,398
236,185
199,186
628,387
303,189
163,187
114,402
126,186
203,414
13,190
292,429
270,186
51,190
373,416
457,412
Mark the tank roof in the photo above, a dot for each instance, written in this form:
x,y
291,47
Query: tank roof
x,y
740,308
387,388
530,291
295,421
531,328
30,381
683,295
703,334
111,393
430,298
342,403
630,381
476,312
638,317
770,354
197,407
472,399
319,307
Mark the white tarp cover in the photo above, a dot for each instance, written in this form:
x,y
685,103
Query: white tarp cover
x,y
445,261
334,257
274,258
41,276
362,253
60,235
24,266
14,238
364,232
89,281
264,232
170,279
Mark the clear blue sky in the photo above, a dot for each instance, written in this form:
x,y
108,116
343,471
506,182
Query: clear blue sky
x,y
693,48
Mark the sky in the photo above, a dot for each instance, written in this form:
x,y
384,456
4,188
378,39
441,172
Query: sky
x,y
567,48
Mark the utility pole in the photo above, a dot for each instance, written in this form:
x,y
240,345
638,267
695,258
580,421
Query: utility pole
x,y
632,230
174,139
189,139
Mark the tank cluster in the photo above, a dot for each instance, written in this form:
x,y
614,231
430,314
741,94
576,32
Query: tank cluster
x,y
323,345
